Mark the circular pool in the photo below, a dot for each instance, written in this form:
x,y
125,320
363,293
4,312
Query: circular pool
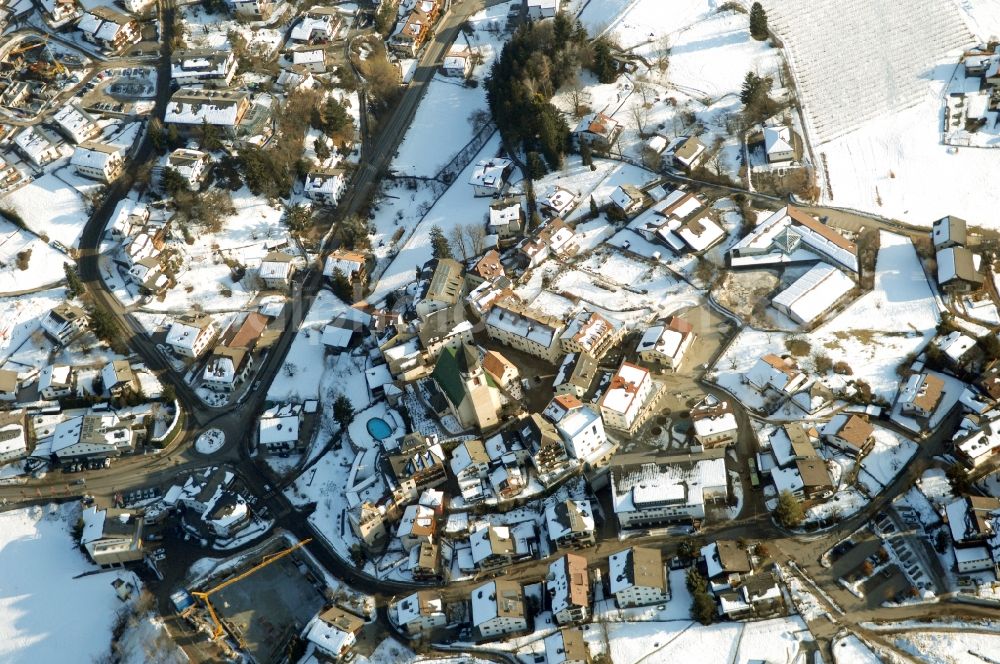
x,y
379,428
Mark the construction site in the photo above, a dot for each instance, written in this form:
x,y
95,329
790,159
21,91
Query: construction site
x,y
258,602
33,72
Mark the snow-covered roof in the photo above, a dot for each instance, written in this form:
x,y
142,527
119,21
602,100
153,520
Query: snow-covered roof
x,y
490,173
814,292
625,385
782,232
955,345
279,429
216,107
650,484
777,140
184,335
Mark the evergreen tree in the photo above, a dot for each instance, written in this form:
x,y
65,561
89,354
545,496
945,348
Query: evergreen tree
x,y
789,511
439,243
593,208
758,22
343,411
341,285
586,154
74,285
322,150
604,65
752,85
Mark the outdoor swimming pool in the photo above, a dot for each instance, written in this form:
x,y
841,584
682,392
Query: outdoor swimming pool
x,y
379,428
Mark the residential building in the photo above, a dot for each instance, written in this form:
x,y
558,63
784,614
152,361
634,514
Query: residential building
x,y
778,144
420,462
486,268
570,524
540,9
507,479
472,395
506,219
663,346
814,294
317,25
9,173
629,399
112,537
557,201
670,489
420,612
56,381
190,108
227,368
211,66
333,632
312,59
498,609
636,577
490,176
190,165
688,153
415,29
576,375
369,525
60,11
627,199
351,264
325,186
597,130
13,436
568,586
444,290
554,239
75,123
714,423
64,323
773,374
950,231
494,547
591,333
581,429
758,596
972,524
530,331
109,29
191,336
851,433
118,377
425,562
278,429
259,10
979,447
276,269
725,563
921,395
417,526
36,145
457,63
958,270
806,479
8,385
791,235
567,645
500,369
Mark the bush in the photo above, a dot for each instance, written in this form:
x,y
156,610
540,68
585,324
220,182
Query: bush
x,y
798,347
23,258
789,511
843,368
823,363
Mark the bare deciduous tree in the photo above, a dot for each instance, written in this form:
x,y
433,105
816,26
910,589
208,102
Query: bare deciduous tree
x,y
475,234
457,239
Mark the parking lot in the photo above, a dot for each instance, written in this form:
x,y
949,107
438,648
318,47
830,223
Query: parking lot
x,y
886,585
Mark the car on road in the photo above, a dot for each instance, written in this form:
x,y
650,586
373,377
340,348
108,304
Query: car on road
x,y
79,482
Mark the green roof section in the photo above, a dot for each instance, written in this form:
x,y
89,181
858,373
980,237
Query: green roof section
x,y
448,375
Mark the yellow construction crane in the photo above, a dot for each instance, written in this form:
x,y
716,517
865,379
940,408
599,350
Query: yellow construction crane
x,y
267,560
22,49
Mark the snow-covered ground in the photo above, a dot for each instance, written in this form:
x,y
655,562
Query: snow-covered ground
x,y
64,213
45,264
887,458
958,647
850,650
43,609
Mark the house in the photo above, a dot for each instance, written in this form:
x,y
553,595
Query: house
x,y
775,374
64,322
325,186
457,63
581,429
499,368
492,547
921,395
190,336
190,165
8,385
420,612
568,586
148,273
118,377
487,268
189,109
567,645
778,144
807,479
663,346
471,394
9,174
557,201
368,523
688,153
425,562
598,131
972,524
636,577
506,218
109,29
958,270
791,235
310,59
759,595
210,66
498,609
351,264
851,433
276,269
255,10
724,562
333,632
958,349
60,11
591,333
576,375
507,480
417,526
813,294
227,368
553,239
13,436
530,331
649,492
318,25
978,447
629,399
420,462
56,381
627,199
714,423
570,524
414,30
37,145
539,9
948,232
278,430
75,123
490,176
112,537
444,289
793,442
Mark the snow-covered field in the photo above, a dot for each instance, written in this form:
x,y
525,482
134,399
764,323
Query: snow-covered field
x,y
63,215
44,610
873,335
22,317
950,647
887,458
45,265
